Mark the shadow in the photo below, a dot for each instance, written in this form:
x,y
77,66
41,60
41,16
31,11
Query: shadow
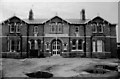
x,y
39,74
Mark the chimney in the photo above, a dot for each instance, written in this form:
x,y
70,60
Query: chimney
x,y
31,15
83,14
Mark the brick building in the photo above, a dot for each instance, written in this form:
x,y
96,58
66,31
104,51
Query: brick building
x,y
57,36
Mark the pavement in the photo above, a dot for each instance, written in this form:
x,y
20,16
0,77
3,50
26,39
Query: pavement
x,y
60,67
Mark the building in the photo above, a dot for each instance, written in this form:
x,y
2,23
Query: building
x,y
57,36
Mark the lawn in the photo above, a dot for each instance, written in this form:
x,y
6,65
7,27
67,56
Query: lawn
x,y
58,66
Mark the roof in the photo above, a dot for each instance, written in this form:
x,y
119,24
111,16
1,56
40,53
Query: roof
x,y
41,21
77,21
11,18
71,21
35,21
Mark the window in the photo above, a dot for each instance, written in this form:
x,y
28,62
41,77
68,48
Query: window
x,y
59,28
100,28
53,28
36,44
35,30
18,28
94,28
80,45
29,44
32,44
93,46
74,44
18,45
47,46
12,45
65,46
99,46
39,44
76,29
12,28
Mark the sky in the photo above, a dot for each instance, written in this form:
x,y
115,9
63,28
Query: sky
x,y
108,9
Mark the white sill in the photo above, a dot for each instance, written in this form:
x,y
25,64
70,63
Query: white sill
x,y
76,50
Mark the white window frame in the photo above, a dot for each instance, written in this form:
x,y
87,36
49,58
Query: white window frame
x,y
29,44
101,28
81,45
10,47
35,30
95,27
93,46
99,46
53,26
74,45
18,27
11,26
76,28
59,28
47,45
65,47
36,44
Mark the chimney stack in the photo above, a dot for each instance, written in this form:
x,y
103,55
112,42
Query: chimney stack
x,y
83,14
31,15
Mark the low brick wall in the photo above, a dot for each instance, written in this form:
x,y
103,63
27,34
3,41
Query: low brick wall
x,y
11,55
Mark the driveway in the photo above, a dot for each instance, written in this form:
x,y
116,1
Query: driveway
x,y
60,67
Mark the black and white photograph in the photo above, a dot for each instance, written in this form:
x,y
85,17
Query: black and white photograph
x,y
72,39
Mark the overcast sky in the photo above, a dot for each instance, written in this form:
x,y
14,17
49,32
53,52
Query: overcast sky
x,y
63,8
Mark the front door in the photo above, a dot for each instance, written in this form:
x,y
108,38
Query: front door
x,y
56,47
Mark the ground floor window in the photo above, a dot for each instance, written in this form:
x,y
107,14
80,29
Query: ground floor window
x,y
98,46
14,45
93,46
34,44
47,45
65,46
77,44
74,44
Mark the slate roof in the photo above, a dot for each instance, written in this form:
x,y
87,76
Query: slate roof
x,y
39,21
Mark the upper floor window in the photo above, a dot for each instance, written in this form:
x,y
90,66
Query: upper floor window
x,y
97,28
12,28
53,28
18,28
73,44
100,28
35,30
94,28
80,44
59,27
76,29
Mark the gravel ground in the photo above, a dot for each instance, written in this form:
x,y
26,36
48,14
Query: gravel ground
x,y
60,67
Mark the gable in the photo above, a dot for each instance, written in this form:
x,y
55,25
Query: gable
x,y
13,19
56,19
99,19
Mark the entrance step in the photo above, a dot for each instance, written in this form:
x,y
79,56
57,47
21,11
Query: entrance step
x,y
56,56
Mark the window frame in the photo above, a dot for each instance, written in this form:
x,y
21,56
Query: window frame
x,y
18,27
35,30
74,45
77,28
81,41
94,26
12,27
59,27
101,28
100,45
53,26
